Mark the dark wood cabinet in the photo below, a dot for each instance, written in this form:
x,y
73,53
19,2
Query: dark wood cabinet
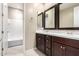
x,y
71,51
43,43
57,46
48,41
59,49
64,50
65,47
48,52
40,42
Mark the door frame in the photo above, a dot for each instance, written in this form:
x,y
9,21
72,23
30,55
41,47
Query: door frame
x,y
24,50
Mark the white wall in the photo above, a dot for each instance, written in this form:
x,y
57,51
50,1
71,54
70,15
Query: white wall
x,y
40,7
30,16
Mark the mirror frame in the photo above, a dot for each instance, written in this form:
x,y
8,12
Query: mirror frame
x,y
56,17
66,28
42,18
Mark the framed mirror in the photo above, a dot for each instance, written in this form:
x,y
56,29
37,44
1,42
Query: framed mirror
x,y
69,16
49,18
40,21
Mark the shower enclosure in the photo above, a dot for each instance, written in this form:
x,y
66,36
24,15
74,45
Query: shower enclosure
x,y
11,26
15,24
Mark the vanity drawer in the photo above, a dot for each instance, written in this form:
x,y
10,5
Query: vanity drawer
x,y
59,39
39,35
72,42
67,41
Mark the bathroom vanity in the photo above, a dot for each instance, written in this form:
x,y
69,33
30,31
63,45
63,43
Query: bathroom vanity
x,y
57,45
62,16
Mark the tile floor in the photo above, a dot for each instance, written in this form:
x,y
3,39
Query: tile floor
x,y
15,51
34,52
18,51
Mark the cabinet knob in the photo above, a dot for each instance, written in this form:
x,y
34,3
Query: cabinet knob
x,y
47,40
64,47
39,38
46,49
61,47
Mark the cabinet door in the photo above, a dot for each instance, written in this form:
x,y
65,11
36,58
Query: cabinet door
x,y
48,51
58,49
70,51
48,42
40,43
37,41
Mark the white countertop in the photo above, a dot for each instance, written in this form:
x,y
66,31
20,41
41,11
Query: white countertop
x,y
64,35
